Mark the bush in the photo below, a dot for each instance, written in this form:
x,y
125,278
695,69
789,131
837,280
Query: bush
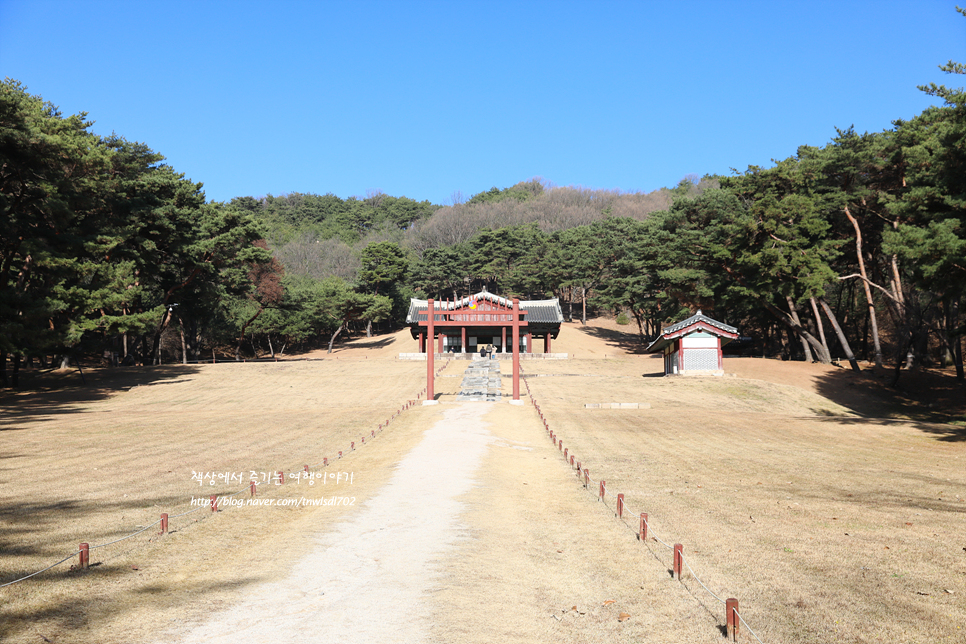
x,y
622,318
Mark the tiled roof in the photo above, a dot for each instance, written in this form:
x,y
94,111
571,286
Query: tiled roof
x,y
538,311
669,333
698,317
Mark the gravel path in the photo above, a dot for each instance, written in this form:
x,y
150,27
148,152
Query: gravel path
x,y
367,579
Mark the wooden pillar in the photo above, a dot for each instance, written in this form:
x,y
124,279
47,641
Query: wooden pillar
x,y
430,319
516,349
441,335
463,332
546,343
529,342
422,342
503,348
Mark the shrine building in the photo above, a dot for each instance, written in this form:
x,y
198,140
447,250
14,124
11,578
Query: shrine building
x,y
486,320
693,346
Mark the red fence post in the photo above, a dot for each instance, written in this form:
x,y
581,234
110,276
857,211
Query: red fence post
x,y
566,449
642,535
164,523
678,559
281,477
352,445
306,469
731,617
561,445
340,453
586,477
214,503
373,433
325,462
620,505
602,483
251,486
85,555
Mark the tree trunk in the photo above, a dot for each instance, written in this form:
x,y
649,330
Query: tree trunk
x,y
369,329
241,336
335,335
156,345
896,278
868,291
838,331
583,299
271,349
3,370
821,327
15,376
955,339
796,320
184,347
822,353
641,322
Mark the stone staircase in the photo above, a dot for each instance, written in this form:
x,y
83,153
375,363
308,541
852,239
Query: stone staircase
x,y
481,381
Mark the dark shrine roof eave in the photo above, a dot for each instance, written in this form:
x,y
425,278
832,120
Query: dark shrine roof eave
x,y
538,311
697,322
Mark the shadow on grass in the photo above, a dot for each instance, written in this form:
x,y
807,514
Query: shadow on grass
x,y
628,341
23,525
44,393
931,400
68,614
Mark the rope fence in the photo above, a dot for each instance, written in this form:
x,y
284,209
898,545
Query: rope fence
x,y
83,551
732,616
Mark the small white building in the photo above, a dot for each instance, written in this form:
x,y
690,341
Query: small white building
x,y
693,346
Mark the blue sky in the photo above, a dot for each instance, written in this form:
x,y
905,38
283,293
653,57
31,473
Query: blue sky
x,y
424,99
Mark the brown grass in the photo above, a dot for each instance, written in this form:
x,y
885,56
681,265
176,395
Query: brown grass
x,y
94,464
832,510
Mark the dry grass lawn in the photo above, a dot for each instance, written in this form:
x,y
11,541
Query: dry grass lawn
x,y
832,508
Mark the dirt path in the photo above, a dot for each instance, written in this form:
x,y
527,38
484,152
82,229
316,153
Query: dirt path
x,y
480,535
365,580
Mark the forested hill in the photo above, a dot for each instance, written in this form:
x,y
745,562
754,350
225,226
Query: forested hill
x,y
325,216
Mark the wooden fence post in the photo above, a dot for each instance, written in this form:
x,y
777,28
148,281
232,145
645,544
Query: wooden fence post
x,y
678,559
602,484
642,535
85,555
214,502
586,477
164,523
252,487
731,613
620,505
